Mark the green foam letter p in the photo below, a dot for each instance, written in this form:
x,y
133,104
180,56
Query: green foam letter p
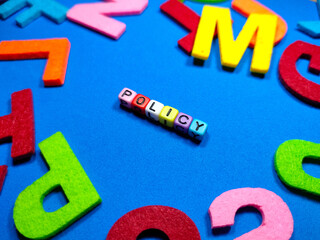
x,y
30,218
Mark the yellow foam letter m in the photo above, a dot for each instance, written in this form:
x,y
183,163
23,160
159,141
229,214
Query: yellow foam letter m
x,y
231,51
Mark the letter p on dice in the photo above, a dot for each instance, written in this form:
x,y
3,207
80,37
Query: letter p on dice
x,y
126,97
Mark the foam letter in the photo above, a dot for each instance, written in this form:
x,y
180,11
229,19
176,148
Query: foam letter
x,y
247,7
3,173
49,8
97,15
277,221
290,77
232,51
174,223
312,28
288,164
65,171
187,18
19,125
55,50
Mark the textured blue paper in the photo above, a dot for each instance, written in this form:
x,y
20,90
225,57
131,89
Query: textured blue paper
x,y
133,162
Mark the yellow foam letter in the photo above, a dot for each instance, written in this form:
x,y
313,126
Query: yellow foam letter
x,y
231,51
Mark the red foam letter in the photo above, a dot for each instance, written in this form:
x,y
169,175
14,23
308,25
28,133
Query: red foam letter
x,y
3,173
174,223
19,125
295,83
187,18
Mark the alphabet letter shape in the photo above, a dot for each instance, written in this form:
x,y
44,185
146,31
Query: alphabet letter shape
x,y
97,15
299,86
231,51
56,50
19,125
3,173
31,220
49,8
311,28
247,7
288,164
187,18
173,222
277,220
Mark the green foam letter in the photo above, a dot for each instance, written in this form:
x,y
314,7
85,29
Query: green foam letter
x,y
288,163
31,220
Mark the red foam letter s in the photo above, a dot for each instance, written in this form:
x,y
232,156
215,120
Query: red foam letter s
x,y
299,86
174,223
19,125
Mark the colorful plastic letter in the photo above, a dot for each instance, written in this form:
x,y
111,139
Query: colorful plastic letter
x,y
182,122
97,16
232,51
288,164
247,7
56,50
153,110
277,221
168,115
140,103
19,125
30,218
299,86
197,129
173,222
49,8
126,97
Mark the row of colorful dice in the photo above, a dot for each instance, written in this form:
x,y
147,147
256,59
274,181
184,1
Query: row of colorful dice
x,y
166,115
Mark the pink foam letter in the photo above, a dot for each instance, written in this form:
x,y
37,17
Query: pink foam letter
x,y
97,15
277,221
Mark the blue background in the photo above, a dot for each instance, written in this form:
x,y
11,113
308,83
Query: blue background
x,y
133,162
